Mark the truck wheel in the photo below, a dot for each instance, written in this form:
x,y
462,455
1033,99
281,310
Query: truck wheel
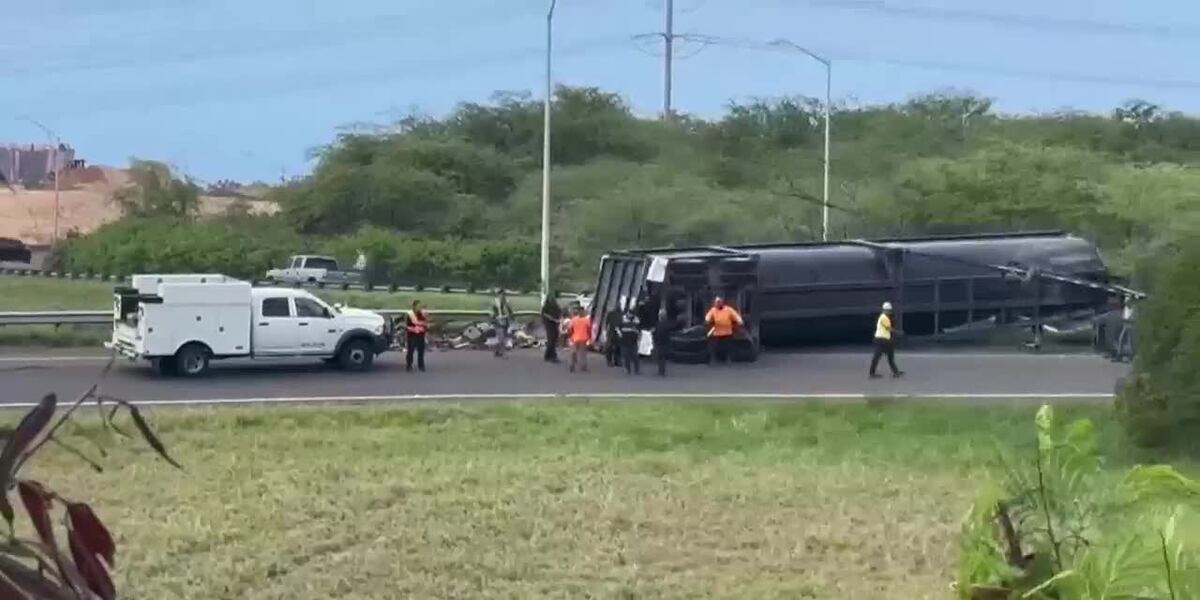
x,y
356,355
165,365
191,360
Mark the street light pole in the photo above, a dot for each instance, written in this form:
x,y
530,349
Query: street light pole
x,y
545,271
828,103
54,139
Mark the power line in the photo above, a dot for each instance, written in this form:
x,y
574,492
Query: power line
x,y
958,67
1039,22
345,32
288,83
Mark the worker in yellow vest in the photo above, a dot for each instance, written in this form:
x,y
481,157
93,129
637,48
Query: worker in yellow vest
x,y
885,342
416,323
723,321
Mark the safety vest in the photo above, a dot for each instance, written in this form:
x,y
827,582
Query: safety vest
x,y
580,329
722,321
416,322
883,327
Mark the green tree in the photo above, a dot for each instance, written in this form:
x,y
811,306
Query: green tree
x,y
156,191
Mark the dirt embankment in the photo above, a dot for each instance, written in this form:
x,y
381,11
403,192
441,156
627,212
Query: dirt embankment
x,y
84,204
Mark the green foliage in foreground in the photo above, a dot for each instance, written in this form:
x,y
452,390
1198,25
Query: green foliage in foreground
x,y
1160,402
1060,527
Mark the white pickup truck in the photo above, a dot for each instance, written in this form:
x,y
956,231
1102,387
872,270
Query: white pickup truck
x,y
313,269
182,322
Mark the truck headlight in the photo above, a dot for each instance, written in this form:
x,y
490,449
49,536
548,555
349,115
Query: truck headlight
x,y
379,329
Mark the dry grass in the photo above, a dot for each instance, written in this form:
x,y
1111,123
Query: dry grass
x,y
653,500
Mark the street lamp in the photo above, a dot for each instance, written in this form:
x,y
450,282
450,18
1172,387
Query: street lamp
x,y
546,156
781,43
54,139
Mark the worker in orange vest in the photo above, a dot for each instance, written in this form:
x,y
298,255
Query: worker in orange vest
x,y
722,321
416,323
579,330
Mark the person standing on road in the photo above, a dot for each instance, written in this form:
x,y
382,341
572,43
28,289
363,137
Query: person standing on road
x,y
630,331
722,321
502,315
1124,350
416,323
579,328
885,343
552,317
662,342
612,337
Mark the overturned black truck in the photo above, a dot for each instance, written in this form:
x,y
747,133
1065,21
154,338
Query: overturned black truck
x,y
826,293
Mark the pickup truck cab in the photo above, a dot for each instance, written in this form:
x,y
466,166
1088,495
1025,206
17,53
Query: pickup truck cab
x,y
182,322
305,268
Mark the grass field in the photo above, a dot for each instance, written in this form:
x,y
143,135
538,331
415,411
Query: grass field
x,y
41,294
581,500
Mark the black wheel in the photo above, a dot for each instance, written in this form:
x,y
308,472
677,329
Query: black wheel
x,y
356,355
165,365
191,360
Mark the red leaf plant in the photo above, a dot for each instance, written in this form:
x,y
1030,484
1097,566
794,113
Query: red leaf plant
x,y
39,569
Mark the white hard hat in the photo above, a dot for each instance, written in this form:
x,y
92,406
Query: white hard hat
x,y
887,306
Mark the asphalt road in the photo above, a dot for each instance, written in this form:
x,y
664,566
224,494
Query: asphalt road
x,y
469,373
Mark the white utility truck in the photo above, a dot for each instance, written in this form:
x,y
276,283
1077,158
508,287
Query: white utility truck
x,y
181,322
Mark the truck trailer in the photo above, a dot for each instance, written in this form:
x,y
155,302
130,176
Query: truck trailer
x,y
829,293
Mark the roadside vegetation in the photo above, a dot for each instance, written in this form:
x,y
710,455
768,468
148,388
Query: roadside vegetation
x,y
648,500
456,199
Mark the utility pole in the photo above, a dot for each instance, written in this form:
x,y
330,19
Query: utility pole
x,y
56,158
668,58
545,271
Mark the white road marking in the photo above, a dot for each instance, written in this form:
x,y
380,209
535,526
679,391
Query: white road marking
x,y
598,396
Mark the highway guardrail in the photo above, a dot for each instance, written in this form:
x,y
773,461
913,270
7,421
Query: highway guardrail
x,y
380,287
105,317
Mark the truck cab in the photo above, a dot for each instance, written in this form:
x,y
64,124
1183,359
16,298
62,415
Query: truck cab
x,y
182,322
303,268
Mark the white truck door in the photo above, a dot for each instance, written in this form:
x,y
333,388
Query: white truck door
x,y
293,272
317,330
275,329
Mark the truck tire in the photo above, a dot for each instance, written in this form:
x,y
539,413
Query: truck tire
x,y
191,360
165,365
356,355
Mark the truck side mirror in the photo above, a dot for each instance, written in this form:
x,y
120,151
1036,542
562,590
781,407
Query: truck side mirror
x,y
325,311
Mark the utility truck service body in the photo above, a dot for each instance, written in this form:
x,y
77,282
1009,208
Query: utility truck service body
x,y
181,322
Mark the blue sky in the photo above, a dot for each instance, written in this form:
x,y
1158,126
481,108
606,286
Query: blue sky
x,y
243,89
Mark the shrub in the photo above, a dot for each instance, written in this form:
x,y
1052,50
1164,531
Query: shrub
x,y
1160,402
161,245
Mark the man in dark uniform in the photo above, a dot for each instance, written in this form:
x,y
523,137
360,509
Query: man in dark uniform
x,y
662,341
612,337
552,321
630,332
